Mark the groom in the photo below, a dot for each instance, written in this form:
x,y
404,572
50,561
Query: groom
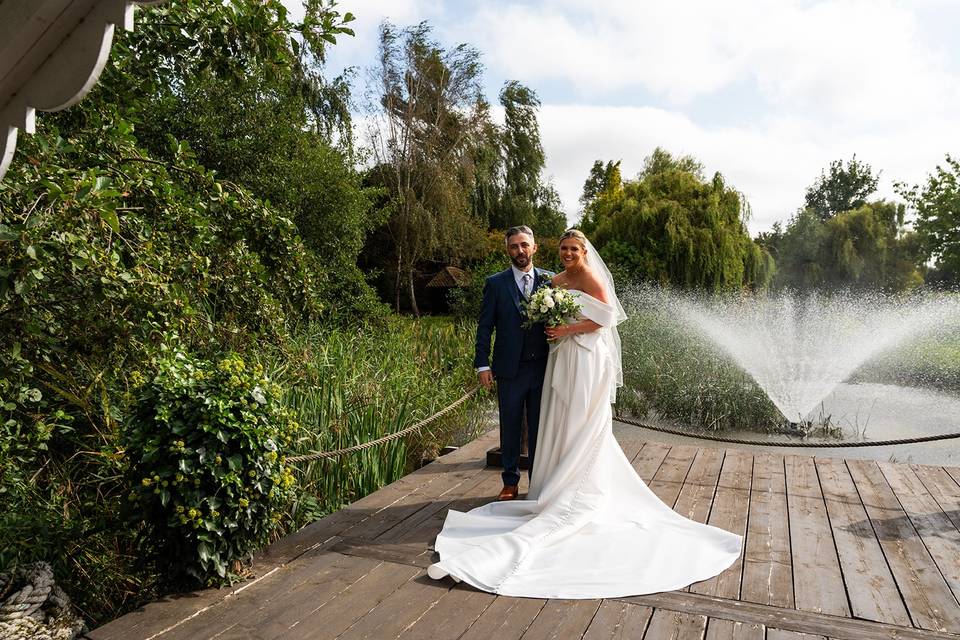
x,y
519,355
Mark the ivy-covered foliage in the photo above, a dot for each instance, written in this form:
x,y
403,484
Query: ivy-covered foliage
x,y
104,251
118,246
204,443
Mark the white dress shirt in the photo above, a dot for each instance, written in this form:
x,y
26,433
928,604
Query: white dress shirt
x,y
518,276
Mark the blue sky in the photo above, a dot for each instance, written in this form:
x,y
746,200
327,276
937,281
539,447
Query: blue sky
x,y
767,92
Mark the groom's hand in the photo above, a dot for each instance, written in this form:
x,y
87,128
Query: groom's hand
x,y
486,378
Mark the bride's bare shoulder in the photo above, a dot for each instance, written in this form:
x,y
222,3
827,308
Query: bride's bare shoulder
x,y
593,286
559,280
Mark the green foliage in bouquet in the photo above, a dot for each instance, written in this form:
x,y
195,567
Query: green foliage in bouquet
x,y
549,306
208,482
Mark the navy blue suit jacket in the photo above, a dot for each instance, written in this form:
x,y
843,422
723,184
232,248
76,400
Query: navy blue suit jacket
x,y
501,312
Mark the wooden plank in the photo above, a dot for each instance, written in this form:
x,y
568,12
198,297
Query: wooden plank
x,y
562,619
480,494
730,508
488,481
668,480
871,589
395,614
699,488
414,554
817,579
780,634
675,625
505,619
649,459
943,488
296,590
466,458
767,567
781,618
409,504
631,446
720,629
954,472
333,617
929,600
696,495
452,615
937,531
618,621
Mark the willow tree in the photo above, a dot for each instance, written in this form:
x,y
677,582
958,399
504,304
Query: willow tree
x,y
674,226
428,114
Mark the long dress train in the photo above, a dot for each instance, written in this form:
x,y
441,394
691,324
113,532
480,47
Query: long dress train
x,y
589,527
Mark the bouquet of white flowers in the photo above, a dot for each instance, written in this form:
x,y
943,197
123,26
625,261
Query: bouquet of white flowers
x,y
550,306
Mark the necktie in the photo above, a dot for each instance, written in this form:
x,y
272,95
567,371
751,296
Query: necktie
x,y
526,285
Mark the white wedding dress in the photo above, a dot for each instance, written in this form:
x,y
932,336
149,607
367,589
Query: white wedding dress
x,y
589,527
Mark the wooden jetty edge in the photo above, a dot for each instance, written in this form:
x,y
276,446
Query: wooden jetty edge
x,y
834,548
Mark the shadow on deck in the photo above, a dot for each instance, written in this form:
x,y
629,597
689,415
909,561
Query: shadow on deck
x,y
843,549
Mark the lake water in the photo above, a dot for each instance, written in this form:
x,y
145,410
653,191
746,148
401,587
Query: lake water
x,y
864,411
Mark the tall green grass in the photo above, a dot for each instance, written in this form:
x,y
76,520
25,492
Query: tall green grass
x,y
350,386
675,374
930,361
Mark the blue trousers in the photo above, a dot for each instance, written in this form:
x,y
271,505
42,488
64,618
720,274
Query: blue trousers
x,y
516,396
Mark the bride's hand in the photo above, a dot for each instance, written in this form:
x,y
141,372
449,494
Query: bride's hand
x,y
557,332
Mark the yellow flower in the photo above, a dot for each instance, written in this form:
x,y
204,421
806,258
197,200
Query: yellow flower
x,y
244,502
217,460
146,482
193,513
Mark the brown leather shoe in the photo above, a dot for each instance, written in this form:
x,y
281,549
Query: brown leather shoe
x,y
509,492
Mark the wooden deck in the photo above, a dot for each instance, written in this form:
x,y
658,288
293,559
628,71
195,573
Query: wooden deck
x,y
843,549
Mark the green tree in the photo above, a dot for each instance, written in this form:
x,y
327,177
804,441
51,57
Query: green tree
x,y
937,206
525,197
601,190
865,248
842,188
428,113
673,226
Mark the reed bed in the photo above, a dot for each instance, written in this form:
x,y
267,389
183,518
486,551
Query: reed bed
x,y
674,375
350,386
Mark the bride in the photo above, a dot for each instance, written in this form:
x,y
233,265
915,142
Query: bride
x,y
589,526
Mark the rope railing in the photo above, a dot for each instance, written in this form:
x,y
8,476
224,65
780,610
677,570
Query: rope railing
x,y
317,455
787,443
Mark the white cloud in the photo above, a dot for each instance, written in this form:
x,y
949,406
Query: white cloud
x,y
767,93
772,164
855,60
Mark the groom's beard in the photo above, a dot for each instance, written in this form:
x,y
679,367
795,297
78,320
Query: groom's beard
x,y
520,262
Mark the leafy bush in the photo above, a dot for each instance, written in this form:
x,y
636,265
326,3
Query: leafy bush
x,y
209,484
